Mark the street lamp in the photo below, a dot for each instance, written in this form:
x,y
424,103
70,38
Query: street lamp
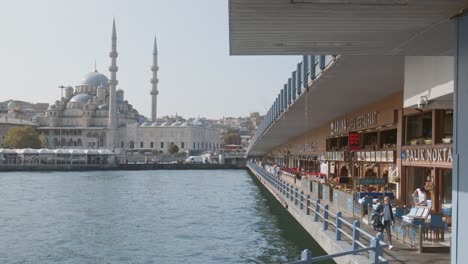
x,y
60,113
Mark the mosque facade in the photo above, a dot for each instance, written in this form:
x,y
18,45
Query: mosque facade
x,y
95,115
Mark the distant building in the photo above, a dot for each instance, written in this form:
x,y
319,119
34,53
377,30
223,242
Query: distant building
x,y
94,114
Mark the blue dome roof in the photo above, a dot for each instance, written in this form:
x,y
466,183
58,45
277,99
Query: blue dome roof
x,y
81,98
95,78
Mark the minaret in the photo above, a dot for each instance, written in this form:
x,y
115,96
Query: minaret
x,y
154,82
112,122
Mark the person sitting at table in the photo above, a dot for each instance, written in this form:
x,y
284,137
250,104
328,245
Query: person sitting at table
x,y
420,193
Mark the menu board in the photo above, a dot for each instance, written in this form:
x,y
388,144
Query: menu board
x,y
390,157
378,156
383,156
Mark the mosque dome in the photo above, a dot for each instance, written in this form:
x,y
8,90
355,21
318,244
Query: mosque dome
x,y
95,78
81,98
11,105
103,107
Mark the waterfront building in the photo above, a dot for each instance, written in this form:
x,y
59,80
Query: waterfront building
x,y
94,114
430,50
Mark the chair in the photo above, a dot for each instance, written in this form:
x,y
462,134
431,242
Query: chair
x,y
399,213
436,226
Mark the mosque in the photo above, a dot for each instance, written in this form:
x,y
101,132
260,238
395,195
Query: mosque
x,y
95,115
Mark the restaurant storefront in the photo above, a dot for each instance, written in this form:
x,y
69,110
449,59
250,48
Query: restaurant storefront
x,y
427,157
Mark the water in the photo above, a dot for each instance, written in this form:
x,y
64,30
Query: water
x,y
144,217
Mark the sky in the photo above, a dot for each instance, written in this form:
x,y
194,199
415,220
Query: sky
x,y
48,43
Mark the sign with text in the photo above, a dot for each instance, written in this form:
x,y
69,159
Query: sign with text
x,y
357,122
433,155
354,141
372,181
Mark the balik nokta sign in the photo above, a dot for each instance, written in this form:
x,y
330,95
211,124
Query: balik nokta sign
x,y
354,123
424,155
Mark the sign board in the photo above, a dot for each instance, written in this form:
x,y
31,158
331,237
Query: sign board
x,y
354,141
372,181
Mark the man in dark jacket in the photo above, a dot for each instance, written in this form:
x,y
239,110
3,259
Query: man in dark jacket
x,y
385,210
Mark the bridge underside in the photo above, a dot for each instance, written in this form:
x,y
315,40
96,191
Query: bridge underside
x,y
298,27
347,85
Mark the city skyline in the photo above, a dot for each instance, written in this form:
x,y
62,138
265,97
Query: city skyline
x,y
197,77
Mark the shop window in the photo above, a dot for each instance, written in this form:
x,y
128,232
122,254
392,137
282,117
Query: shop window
x,y
370,141
419,129
332,143
444,126
343,143
388,139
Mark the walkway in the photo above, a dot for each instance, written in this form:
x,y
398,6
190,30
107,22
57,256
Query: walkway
x,y
400,254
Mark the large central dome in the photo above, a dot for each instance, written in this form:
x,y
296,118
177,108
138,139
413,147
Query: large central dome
x,y
96,79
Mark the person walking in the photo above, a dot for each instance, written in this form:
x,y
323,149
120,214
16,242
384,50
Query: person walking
x,y
385,211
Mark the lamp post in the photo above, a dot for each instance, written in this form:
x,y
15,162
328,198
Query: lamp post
x,y
60,113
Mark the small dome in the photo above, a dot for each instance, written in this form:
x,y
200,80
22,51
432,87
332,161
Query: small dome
x,y
103,107
81,98
176,124
185,124
96,79
69,88
11,105
119,91
145,124
154,124
166,124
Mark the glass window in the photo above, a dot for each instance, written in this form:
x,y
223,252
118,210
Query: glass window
x,y
444,126
151,144
419,129
388,139
162,144
416,178
141,144
446,187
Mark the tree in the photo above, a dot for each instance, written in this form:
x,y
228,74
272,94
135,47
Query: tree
x,y
23,137
172,149
232,139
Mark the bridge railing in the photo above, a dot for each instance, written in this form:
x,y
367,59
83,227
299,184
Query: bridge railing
x,y
359,239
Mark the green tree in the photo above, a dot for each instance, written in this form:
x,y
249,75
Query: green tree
x,y
23,137
172,149
232,138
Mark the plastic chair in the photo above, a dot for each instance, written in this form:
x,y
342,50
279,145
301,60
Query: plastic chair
x,y
399,213
436,226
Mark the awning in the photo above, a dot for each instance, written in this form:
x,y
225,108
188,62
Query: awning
x,y
353,27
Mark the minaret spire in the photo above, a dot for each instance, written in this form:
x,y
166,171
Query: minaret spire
x,y
112,122
154,82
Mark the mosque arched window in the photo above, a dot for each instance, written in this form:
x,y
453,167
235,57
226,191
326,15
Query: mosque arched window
x,y
132,144
64,142
151,144
141,144
79,143
56,142
70,142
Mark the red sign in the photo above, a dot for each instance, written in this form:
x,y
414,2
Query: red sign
x,y
353,139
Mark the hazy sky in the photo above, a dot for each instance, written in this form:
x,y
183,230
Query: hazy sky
x,y
47,43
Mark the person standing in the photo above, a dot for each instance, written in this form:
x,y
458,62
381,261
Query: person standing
x,y
385,211
422,196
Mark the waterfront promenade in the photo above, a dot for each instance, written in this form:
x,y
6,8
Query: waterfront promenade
x,y
400,254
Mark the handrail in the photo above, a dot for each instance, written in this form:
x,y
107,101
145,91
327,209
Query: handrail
x,y
323,214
